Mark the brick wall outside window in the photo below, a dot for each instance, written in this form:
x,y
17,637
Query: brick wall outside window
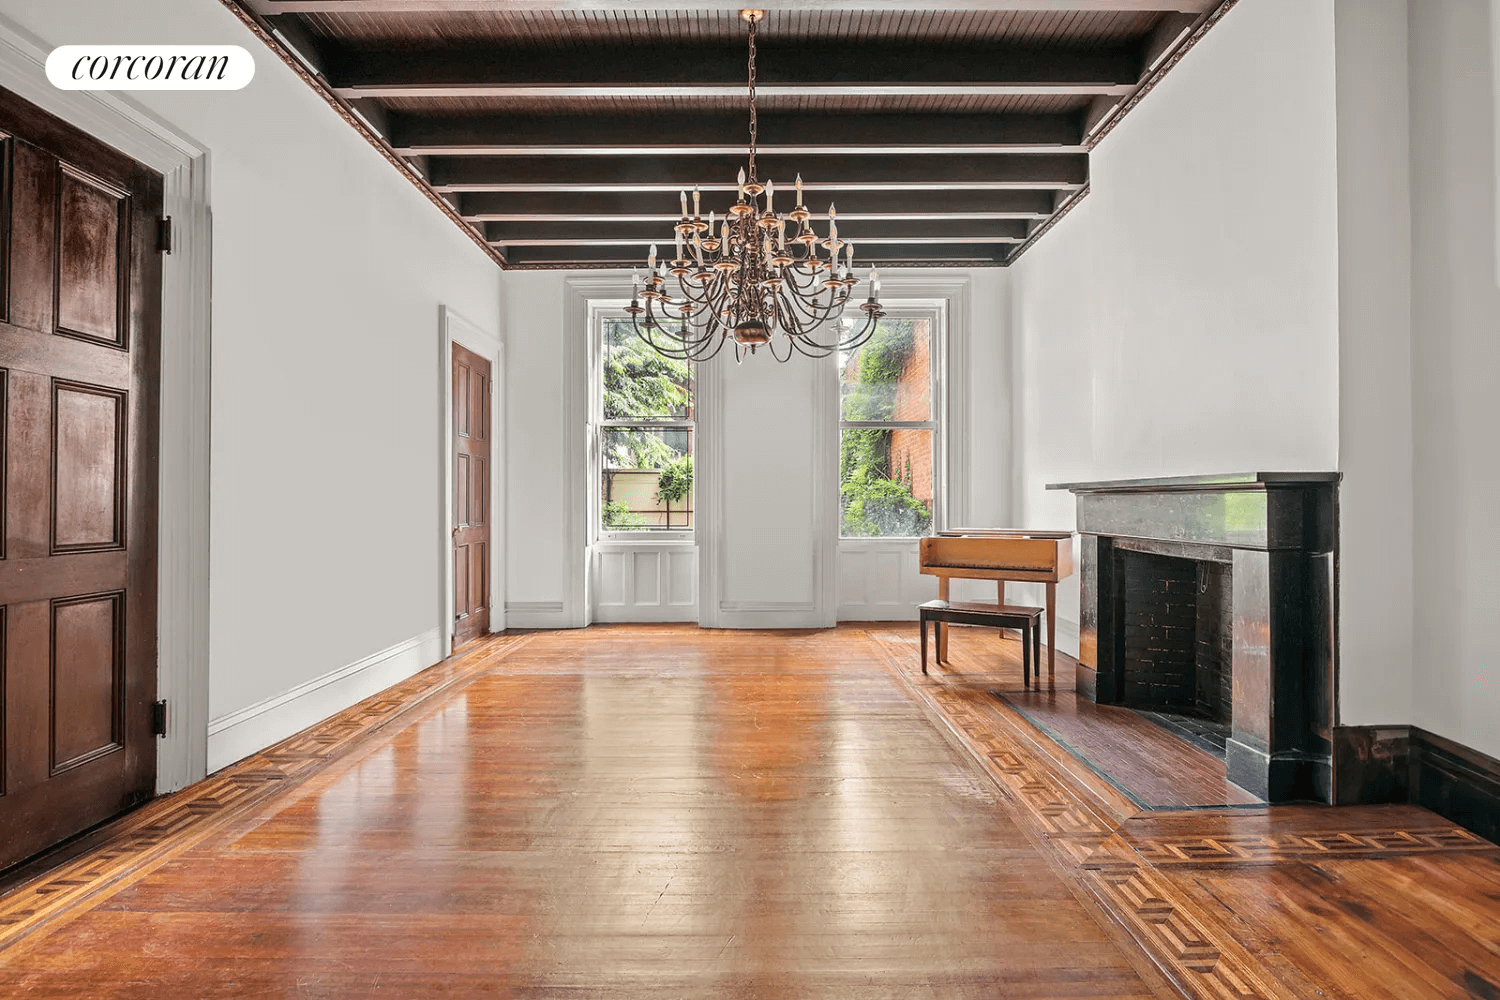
x,y
913,403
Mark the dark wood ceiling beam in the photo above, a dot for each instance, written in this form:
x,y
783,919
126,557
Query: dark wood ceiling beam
x,y
712,71
927,254
656,206
269,7
823,174
646,233
867,134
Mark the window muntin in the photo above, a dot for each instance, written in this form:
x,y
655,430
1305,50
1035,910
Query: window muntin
x,y
644,405
890,440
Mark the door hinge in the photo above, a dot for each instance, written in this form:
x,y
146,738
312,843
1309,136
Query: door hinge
x,y
164,235
159,719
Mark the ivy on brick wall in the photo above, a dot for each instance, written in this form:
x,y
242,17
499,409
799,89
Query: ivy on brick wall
x,y
878,500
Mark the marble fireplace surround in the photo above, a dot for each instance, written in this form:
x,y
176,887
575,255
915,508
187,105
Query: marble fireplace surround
x,y
1279,533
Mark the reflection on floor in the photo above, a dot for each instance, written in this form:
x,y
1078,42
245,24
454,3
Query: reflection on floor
x,y
1146,760
1205,734
663,811
1273,902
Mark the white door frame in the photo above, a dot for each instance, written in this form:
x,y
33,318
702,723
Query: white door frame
x,y
455,329
182,675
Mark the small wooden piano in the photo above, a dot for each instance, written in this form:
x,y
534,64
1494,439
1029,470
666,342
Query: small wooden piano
x,y
1000,554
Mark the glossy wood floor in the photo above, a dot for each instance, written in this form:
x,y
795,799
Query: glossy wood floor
x,y
660,811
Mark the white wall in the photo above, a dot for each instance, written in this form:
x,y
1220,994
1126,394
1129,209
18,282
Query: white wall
x,y
773,566
1375,397
328,272
769,480
1455,361
1184,318
537,451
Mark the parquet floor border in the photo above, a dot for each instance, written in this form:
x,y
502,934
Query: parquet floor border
x,y
164,828
1192,947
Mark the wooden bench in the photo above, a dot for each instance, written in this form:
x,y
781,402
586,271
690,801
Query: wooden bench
x,y
1000,554
1028,620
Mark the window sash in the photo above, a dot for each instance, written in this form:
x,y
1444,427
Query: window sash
x,y
895,425
936,371
600,429
647,425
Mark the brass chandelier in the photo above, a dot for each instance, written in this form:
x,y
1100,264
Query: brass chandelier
x,y
752,282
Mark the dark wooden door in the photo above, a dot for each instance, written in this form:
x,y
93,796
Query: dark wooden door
x,y
471,495
80,300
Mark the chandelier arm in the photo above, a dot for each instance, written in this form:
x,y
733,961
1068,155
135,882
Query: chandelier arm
x,y
818,351
790,349
677,353
793,327
865,332
813,313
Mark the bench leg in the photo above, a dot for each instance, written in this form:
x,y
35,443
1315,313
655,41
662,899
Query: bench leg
x,y
1036,652
1026,656
942,627
1051,632
924,644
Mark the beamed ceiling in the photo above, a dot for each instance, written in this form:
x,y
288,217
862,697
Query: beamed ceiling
x,y
558,132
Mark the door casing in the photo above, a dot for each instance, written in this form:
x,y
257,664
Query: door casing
x,y
183,482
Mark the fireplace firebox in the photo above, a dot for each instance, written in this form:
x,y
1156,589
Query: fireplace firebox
x,y
1215,596
1178,635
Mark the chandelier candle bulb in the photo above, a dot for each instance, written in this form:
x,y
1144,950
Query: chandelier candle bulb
x,y
770,193
695,201
651,260
742,183
682,198
679,247
799,190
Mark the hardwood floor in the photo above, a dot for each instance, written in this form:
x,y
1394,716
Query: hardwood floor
x,y
662,811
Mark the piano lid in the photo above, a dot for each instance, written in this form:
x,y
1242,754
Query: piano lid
x,y
1003,533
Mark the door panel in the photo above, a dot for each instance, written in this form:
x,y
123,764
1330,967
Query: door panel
x,y
88,446
471,495
92,284
88,675
80,287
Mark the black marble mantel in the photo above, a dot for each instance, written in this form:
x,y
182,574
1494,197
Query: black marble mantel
x,y
1279,533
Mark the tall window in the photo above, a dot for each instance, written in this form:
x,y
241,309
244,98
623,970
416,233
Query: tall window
x,y
890,481
644,421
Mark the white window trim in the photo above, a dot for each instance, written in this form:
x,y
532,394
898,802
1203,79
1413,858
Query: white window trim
x,y
937,309
598,310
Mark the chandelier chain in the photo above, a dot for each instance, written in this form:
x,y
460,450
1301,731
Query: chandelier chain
x,y
752,101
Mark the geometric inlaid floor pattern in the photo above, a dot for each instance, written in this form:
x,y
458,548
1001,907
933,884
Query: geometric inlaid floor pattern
x,y
1272,903
150,835
1210,951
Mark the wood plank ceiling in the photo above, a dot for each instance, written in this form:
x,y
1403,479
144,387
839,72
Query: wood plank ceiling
x,y
559,132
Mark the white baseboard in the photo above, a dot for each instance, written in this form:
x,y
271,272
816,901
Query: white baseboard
x,y
878,613
770,614
645,613
239,734
537,614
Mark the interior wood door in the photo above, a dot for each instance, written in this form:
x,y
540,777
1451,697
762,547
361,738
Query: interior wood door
x,y
80,300
472,399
